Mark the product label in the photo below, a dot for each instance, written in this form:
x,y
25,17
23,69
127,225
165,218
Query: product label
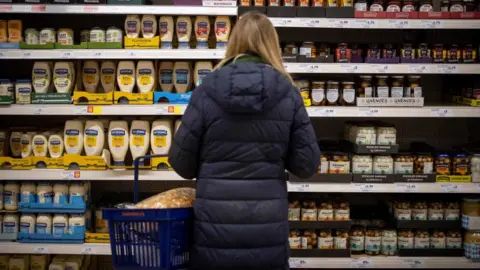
x,y
59,228
55,146
71,137
318,95
403,167
166,76
163,29
419,214
25,146
452,214
405,242
408,8
16,145
138,137
393,8
382,168
357,243
368,92
376,7
61,78
422,242
454,242
27,197
435,214
340,243
202,73
25,227
39,146
89,75
46,197
339,167
114,36
77,229
126,76
456,8
202,31
403,214
160,139
294,242
91,136
437,242
181,76
41,228
372,243
349,95
145,76
417,92
182,31
382,91
325,242
293,213
397,92
332,95
427,8
9,227
389,245
131,27
10,197
309,214
117,138
108,75
323,167
325,214
307,51
221,30
342,214
362,167
148,27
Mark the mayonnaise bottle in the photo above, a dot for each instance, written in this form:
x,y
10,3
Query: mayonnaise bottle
x,y
40,148
222,30
41,77
165,75
132,26
90,76
182,77
44,224
145,76
63,77
165,23
161,136
184,31
26,140
76,224
202,69
93,137
55,145
107,75
60,224
139,138
45,193
28,192
60,193
125,76
73,137
38,262
118,141
10,223
27,223
16,143
149,26
202,31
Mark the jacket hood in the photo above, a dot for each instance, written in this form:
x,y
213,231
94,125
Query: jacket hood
x,y
247,87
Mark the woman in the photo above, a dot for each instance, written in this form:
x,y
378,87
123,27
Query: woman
x,y
243,127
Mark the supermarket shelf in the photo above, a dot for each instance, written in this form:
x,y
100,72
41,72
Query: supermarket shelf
x,y
385,262
382,68
107,175
113,54
314,111
120,9
43,248
375,23
385,188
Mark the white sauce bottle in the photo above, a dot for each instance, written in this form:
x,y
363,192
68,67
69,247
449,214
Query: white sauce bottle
x,y
125,76
27,223
45,193
63,78
41,77
107,75
60,224
202,31
132,26
161,136
166,31
40,142
55,145
202,69
145,76
118,141
16,143
44,224
90,76
28,192
93,137
139,138
149,26
73,137
26,140
182,76
184,31
165,75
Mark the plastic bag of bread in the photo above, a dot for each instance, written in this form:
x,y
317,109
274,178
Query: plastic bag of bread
x,y
174,198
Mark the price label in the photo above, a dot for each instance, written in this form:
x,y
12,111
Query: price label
x,y
90,8
367,24
413,263
95,110
368,112
398,23
39,8
5,7
97,54
40,250
419,69
429,24
349,68
407,187
313,22
301,187
365,187
336,23
88,250
66,54
441,112
313,68
379,68
451,188
361,263
70,175
478,188
131,54
298,263
2,54
26,54
281,22
446,69
81,110
324,111
38,111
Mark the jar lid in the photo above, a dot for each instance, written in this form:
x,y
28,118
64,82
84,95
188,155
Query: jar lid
x,y
318,82
97,28
462,155
366,77
24,81
423,153
443,155
308,42
347,83
5,80
372,227
381,77
414,77
332,82
404,154
398,77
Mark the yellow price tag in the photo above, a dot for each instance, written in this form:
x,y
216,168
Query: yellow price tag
x,y
175,109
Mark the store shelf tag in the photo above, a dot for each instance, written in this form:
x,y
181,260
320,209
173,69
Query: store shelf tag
x,y
67,54
81,110
441,112
301,187
298,263
40,250
407,187
219,3
366,24
312,22
346,68
361,263
90,8
451,188
446,68
88,250
97,54
38,111
478,188
281,22
70,175
429,24
415,68
38,8
364,187
338,23
398,23
95,110
413,263
368,112
26,54
324,111
5,7
376,68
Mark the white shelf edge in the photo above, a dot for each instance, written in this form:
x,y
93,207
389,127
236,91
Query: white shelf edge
x,y
473,188
44,248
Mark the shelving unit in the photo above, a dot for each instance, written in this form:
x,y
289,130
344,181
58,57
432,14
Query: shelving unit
x,y
70,249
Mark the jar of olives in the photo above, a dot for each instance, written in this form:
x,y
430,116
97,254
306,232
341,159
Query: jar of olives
x,y
415,90
389,242
294,239
362,164
422,239
365,89
442,164
419,210
435,210
323,168
333,92
403,163
294,210
373,240
382,90
403,210
348,94
309,239
325,211
438,239
357,239
318,93
341,210
460,165
452,211
340,241
309,211
325,239
453,239
405,239
423,163
397,86
339,163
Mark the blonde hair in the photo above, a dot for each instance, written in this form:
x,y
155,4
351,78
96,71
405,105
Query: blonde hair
x,y
255,34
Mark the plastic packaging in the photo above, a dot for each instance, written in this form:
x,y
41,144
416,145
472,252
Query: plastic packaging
x,y
161,136
90,76
61,192
10,223
118,141
184,31
114,35
166,26
23,91
60,224
45,193
165,74
202,31
107,75
47,35
174,198
94,137
149,26
145,76
65,36
11,194
139,138
97,34
73,137
63,77
55,145
28,192
39,145
32,36
27,223
76,224
44,224
125,76
41,77
132,26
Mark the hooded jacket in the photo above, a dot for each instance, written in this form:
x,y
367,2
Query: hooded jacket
x,y
243,127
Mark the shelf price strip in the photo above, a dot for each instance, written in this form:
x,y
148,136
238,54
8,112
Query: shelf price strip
x,y
407,187
364,187
413,263
361,263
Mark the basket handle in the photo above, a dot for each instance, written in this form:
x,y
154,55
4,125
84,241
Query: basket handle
x,y
136,164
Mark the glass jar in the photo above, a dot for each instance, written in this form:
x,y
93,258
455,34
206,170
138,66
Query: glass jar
x,y
356,51
386,135
393,6
472,244
318,3
471,207
361,5
323,167
309,239
475,168
274,3
309,211
422,239
373,240
419,210
452,211
437,240
397,87
341,239
453,239
325,239
456,6
332,3
439,53
318,93
382,164
343,54
454,54
308,49
389,51
382,89
442,164
436,211
377,5
408,52
444,5
423,163
288,3
346,3
409,6
405,239
403,163
304,87
365,89
460,164
403,210
362,164
325,211
415,88
294,210
469,54
339,164
423,52
389,242
341,210
294,239
426,6
323,50
357,240
333,92
373,51
348,94
364,135
290,49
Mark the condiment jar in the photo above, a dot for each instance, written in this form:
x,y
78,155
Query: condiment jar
x,y
318,93
382,89
373,51
294,210
308,49
423,163
341,210
309,239
437,240
475,168
339,164
408,52
333,92
425,6
389,242
325,211
382,164
377,5
362,164
361,5
294,239
445,5
365,89
454,54
435,211
309,211
325,239
341,239
419,210
373,240
323,167
456,6
422,239
397,87
414,90
442,164
386,135
393,6
357,240
403,210
403,164
343,54
423,52
469,54
304,88
460,164
348,94
405,239
409,6
439,53
453,239
452,211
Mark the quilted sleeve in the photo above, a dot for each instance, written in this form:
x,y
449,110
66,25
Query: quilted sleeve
x,y
184,153
303,156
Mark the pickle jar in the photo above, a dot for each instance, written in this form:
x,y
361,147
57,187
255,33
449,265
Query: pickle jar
x,y
439,53
323,50
452,211
377,5
437,239
323,167
357,240
373,240
309,211
294,210
422,239
382,89
304,3
453,239
425,6
405,239
419,210
389,51
436,210
423,51
442,164
348,93
294,239
339,164
333,92
341,239
308,49
318,93
453,54
423,163
341,210
325,211
397,87
461,164
373,51
409,6
325,239
309,239
415,88
403,210
469,54
304,87
403,163
365,89
290,49
318,3
389,242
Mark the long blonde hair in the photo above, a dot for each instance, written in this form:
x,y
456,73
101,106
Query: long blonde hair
x,y
254,33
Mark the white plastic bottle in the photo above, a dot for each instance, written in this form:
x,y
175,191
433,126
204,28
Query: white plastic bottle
x,y
3,138
26,140
222,30
94,138
139,138
202,31
60,224
63,77
182,76
132,26
165,23
16,143
44,224
11,195
40,142
161,136
60,193
45,193
107,75
149,26
28,192
91,76
118,140
165,74
184,31
202,69
76,224
55,145
27,223
77,192
145,76
73,137
125,76
10,223
41,77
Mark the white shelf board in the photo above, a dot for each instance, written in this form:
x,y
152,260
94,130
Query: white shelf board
x,y
408,112
385,262
365,68
118,9
113,54
385,188
44,248
375,23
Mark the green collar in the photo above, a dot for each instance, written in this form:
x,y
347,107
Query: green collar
x,y
248,59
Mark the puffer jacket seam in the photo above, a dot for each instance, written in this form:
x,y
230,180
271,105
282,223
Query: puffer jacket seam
x,y
242,200
260,247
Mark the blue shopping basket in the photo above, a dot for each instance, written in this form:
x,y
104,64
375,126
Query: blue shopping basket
x,y
149,238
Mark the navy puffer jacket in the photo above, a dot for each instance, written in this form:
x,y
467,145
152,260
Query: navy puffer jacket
x,y
243,127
